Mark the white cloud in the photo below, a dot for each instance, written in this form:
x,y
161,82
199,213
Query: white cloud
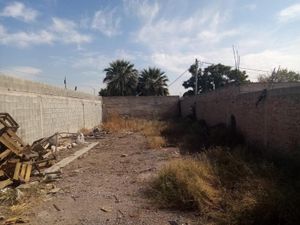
x,y
202,28
61,30
19,11
27,70
122,54
270,59
91,60
25,39
142,8
290,13
107,22
66,32
99,61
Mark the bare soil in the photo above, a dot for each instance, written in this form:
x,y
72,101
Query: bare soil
x,y
107,186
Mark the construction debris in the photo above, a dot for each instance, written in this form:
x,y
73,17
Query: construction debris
x,y
19,161
15,220
12,150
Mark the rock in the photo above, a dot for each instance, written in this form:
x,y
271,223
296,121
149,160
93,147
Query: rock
x,y
2,217
20,194
51,177
27,185
54,190
80,139
74,144
124,155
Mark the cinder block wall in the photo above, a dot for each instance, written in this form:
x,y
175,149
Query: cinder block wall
x,y
273,123
146,107
187,105
41,110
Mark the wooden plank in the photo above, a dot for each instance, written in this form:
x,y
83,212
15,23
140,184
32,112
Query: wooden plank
x,y
28,173
4,123
15,136
8,144
12,142
5,183
56,167
17,171
4,154
23,171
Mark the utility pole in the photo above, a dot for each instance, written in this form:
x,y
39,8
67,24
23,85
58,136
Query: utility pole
x,y
196,76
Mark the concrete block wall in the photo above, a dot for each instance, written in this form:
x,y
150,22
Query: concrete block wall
x,y
148,107
186,105
273,123
41,110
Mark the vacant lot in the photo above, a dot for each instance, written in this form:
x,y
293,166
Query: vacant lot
x,y
107,187
132,177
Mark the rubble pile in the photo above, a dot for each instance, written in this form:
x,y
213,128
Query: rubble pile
x,y
12,150
18,161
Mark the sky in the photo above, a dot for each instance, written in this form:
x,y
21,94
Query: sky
x,y
46,40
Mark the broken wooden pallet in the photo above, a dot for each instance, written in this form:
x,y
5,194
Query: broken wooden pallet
x,y
12,142
22,172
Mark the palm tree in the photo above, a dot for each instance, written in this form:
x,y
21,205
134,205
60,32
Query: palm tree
x,y
121,78
153,81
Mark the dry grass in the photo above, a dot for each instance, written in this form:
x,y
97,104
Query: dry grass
x,y
14,202
187,184
85,131
150,128
228,187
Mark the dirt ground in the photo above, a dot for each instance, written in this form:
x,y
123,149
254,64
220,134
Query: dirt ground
x,y
107,187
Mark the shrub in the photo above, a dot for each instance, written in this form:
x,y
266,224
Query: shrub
x,y
230,186
187,184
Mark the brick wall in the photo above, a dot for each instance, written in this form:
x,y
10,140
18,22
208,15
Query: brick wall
x,y
42,110
273,123
149,107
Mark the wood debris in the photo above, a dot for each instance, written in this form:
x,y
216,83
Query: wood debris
x,y
12,150
15,220
19,161
56,207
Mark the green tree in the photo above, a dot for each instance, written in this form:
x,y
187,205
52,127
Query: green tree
x,y
281,75
103,92
213,77
121,79
153,81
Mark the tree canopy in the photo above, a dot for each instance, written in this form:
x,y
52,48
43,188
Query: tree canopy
x,y
213,77
152,81
121,79
281,75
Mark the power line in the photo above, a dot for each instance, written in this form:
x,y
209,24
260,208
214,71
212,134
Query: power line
x,y
177,78
210,63
243,68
